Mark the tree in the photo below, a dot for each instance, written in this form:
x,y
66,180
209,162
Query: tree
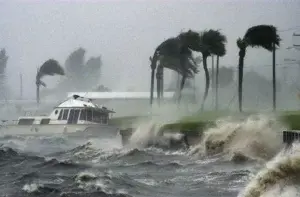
x,y
75,62
92,70
81,74
51,67
207,42
3,64
172,54
264,36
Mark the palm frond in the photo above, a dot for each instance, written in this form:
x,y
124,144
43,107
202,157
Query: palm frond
x,y
93,65
173,63
262,36
191,39
170,47
75,61
213,42
241,43
50,67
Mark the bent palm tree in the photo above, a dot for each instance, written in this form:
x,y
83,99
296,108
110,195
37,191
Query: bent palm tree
x,y
187,71
207,42
50,67
264,36
174,50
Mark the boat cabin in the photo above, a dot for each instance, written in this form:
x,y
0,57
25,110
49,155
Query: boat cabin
x,y
75,110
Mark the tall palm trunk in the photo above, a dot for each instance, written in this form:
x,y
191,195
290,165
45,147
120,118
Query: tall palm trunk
x,y
181,87
158,90
212,75
241,73
183,61
217,84
274,77
38,94
194,90
152,86
162,84
177,88
207,80
158,82
153,67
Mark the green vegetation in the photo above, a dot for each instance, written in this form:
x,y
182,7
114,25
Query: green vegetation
x,y
198,122
292,120
126,120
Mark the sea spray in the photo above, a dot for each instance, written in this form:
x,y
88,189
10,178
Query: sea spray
x,y
279,177
148,131
256,137
145,134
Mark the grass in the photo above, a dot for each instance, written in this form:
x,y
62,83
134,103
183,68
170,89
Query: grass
x,y
198,122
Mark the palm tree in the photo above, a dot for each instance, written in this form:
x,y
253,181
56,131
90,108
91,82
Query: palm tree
x,y
264,36
50,67
207,42
217,85
219,54
177,57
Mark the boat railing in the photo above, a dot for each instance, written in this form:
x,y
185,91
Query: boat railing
x,y
8,122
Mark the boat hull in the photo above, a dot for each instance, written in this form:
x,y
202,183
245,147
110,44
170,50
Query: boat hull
x,y
86,131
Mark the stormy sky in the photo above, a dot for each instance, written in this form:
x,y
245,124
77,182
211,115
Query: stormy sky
x,y
125,33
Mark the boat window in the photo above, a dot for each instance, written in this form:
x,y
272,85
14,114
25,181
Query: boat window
x,y
65,115
45,121
60,114
105,119
89,115
71,116
83,114
28,121
76,115
97,116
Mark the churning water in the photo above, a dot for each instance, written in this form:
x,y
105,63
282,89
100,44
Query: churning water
x,y
236,158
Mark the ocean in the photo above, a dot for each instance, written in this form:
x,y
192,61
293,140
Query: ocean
x,y
242,158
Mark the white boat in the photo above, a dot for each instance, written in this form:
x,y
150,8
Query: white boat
x,y
76,115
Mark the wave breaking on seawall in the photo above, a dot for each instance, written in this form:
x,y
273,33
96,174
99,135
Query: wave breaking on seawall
x,y
257,137
253,138
149,134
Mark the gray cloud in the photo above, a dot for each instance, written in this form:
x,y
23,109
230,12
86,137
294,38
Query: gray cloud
x,y
125,33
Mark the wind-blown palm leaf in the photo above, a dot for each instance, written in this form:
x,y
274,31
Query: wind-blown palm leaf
x,y
262,36
75,62
192,40
50,67
93,66
172,47
212,42
173,63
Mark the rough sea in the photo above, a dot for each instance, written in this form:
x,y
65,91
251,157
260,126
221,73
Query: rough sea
x,y
244,158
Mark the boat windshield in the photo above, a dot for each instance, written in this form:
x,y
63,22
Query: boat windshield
x,y
93,116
